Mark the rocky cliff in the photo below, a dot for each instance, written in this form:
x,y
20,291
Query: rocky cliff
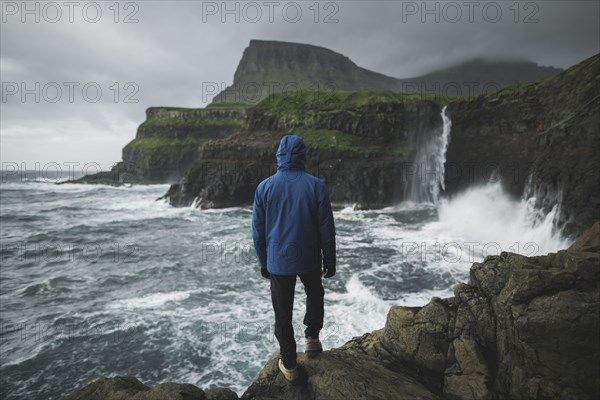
x,y
358,142
168,142
522,328
270,66
363,144
541,137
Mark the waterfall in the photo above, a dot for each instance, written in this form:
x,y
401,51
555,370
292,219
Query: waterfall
x,y
426,175
483,214
545,204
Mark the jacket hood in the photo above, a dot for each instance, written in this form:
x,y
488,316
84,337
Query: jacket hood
x,y
291,153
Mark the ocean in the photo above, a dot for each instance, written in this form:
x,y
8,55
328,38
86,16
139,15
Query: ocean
x,y
102,281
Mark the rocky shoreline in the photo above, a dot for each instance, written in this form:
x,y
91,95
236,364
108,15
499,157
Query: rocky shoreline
x,y
522,328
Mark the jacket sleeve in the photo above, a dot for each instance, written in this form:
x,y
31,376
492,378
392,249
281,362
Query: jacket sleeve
x,y
258,229
326,228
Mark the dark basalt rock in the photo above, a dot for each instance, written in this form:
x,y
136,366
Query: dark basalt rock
x,y
111,178
541,137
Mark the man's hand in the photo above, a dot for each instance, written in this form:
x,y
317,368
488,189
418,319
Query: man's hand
x,y
265,273
328,272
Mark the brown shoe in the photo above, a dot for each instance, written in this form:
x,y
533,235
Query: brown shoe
x,y
289,374
312,347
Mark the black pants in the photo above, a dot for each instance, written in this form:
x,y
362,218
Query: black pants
x,y
282,295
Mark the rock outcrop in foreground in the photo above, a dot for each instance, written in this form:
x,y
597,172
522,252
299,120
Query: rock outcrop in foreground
x,y
523,328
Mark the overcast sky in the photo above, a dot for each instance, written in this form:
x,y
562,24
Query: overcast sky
x,y
153,53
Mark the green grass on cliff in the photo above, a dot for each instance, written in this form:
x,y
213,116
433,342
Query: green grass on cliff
x,y
218,105
182,123
341,141
227,105
334,100
589,107
164,145
303,106
177,118
325,138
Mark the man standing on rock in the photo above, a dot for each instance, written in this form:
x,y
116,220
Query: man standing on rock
x,y
294,235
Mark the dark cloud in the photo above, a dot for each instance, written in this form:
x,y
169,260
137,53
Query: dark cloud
x,y
172,50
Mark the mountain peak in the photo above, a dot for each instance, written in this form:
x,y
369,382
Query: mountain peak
x,y
254,43
273,66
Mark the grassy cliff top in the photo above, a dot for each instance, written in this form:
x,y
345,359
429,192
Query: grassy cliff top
x,y
329,100
215,106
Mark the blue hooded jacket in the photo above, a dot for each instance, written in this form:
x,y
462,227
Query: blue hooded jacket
x,y
292,220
